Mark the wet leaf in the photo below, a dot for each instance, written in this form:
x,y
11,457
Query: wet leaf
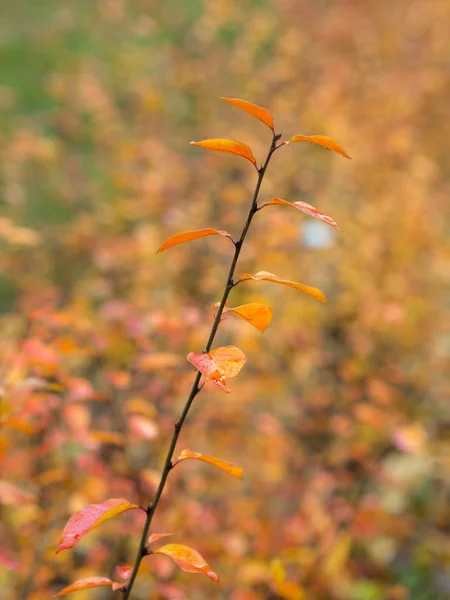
x,y
87,519
187,236
321,140
84,584
187,559
304,207
229,146
216,462
252,109
265,276
219,364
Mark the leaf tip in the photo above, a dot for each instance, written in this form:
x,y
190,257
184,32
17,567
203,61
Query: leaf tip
x,y
61,547
212,575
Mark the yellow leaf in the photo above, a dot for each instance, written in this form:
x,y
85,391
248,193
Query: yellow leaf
x,y
277,571
321,140
216,462
229,146
265,276
252,109
187,236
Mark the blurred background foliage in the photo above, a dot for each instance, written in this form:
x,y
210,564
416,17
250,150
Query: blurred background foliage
x,y
341,417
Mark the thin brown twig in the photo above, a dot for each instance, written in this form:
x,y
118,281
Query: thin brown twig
x,y
151,508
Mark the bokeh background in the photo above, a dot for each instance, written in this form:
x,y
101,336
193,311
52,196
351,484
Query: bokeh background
x,y
341,417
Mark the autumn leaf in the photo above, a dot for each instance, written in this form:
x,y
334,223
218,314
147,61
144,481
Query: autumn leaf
x,y
124,572
216,462
219,364
252,109
258,315
187,236
84,584
321,140
265,276
87,519
229,146
154,537
304,207
187,559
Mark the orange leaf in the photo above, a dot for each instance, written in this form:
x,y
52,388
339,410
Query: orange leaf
x,y
219,364
83,521
84,584
216,462
258,315
265,276
321,140
187,236
229,146
304,207
252,109
187,559
154,537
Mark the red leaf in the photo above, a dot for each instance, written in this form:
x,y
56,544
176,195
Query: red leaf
x,y
187,559
83,521
187,236
256,111
228,146
84,584
304,207
219,364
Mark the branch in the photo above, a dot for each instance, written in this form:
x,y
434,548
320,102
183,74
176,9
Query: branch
x,y
151,508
